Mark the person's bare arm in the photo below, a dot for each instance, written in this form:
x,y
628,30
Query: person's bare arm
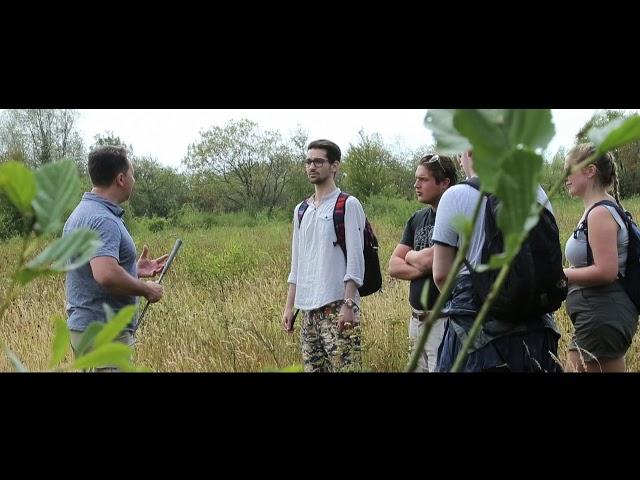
x,y
421,260
117,281
399,268
287,315
443,257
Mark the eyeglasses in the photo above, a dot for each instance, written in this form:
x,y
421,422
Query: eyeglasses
x,y
317,162
434,159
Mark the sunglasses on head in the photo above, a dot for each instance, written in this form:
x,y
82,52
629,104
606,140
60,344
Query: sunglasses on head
x,y
435,159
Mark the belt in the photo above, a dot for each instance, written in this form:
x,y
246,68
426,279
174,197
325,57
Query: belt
x,y
420,316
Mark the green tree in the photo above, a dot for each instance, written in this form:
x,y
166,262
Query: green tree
x,y
552,170
253,165
627,156
298,186
159,191
110,138
370,168
40,136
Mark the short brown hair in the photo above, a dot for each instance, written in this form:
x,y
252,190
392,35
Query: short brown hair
x,y
105,163
333,151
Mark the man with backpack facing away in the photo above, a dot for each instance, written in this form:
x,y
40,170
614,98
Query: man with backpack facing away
x,y
521,341
412,259
321,283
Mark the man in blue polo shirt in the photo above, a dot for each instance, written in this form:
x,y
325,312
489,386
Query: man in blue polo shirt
x,y
112,275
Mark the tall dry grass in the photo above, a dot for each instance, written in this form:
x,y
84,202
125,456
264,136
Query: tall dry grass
x,y
224,298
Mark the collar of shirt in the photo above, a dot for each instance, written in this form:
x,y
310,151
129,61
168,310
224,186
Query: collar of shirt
x,y
117,210
332,196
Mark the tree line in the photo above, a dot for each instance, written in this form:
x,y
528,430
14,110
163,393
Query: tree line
x,y
241,167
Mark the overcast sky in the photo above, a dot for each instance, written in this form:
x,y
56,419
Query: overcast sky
x,y
166,134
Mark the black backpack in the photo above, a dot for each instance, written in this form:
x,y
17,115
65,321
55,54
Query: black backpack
x,y
536,283
631,280
372,275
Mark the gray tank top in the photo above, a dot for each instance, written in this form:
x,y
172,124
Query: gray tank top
x,y
576,247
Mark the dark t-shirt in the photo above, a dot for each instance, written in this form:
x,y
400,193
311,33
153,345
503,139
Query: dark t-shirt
x,y
417,235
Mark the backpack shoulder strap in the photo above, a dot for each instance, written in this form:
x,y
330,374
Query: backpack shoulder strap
x,y
472,182
608,203
338,221
301,209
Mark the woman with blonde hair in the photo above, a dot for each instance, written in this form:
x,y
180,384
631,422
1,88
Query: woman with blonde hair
x,y
604,317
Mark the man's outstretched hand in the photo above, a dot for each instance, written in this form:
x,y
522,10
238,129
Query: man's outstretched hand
x,y
150,268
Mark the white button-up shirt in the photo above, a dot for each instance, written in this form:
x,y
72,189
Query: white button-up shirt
x,y
318,268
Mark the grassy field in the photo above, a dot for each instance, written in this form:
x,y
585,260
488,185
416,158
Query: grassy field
x,y
224,298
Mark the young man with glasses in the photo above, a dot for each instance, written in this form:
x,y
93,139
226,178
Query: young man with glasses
x,y
322,283
413,257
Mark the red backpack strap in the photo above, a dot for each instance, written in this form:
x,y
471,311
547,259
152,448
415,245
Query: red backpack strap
x,y
338,222
301,209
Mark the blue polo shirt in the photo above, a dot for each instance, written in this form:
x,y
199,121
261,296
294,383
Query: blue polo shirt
x,y
84,295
